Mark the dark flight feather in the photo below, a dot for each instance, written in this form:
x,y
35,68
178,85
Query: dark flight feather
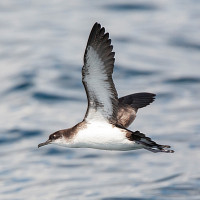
x,y
129,105
97,77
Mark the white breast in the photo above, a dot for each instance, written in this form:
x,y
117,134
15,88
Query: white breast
x,y
103,136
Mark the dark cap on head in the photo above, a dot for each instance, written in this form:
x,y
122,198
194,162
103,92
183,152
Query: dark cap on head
x,y
52,137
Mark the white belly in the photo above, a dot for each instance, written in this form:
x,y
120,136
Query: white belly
x,y
103,136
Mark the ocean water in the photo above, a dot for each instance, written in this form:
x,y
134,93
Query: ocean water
x,y
157,47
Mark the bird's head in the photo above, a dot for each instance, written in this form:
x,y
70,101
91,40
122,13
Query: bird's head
x,y
54,138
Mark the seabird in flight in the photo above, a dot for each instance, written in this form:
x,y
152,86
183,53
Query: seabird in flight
x,y
107,117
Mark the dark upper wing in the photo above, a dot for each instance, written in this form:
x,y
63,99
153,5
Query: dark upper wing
x,y
97,77
128,106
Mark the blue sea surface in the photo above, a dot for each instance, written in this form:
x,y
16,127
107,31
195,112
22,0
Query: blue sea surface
x,y
157,47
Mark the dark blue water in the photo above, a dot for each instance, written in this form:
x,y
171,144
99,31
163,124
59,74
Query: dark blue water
x,y
157,49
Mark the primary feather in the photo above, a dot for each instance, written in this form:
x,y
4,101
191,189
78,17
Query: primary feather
x,y
97,77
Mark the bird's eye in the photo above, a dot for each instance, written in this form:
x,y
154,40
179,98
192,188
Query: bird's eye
x,y
54,136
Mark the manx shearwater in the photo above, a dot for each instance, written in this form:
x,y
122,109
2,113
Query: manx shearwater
x,y
107,117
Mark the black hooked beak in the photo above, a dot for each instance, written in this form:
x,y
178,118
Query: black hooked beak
x,y
44,143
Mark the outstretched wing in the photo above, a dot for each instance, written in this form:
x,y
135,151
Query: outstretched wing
x,y
128,106
97,77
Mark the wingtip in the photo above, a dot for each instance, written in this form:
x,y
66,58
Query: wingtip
x,y
97,25
138,100
99,45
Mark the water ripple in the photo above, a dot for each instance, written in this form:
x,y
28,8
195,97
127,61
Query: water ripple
x,y
124,198
49,97
184,43
131,7
125,72
14,135
42,46
167,178
183,80
180,190
22,86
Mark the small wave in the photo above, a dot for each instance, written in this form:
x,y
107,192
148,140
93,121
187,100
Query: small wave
x,y
124,198
14,135
22,86
179,190
124,72
53,98
43,96
131,7
90,156
167,178
180,80
54,151
184,43
66,81
164,95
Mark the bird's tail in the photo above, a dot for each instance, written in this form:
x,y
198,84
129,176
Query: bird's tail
x,y
159,148
147,143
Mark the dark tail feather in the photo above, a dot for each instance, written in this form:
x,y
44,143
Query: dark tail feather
x,y
159,148
138,100
147,143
